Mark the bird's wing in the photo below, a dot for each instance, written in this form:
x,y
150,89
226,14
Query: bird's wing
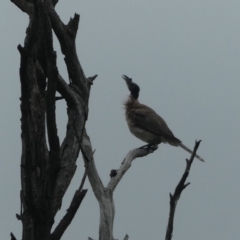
x,y
147,119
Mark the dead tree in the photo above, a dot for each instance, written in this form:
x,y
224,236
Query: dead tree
x,y
48,166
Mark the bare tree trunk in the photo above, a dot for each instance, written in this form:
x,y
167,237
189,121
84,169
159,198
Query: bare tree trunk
x,y
46,172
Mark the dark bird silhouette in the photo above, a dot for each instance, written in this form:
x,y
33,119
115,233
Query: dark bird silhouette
x,y
145,124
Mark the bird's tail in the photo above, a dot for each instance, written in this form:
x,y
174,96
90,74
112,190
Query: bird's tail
x,y
190,151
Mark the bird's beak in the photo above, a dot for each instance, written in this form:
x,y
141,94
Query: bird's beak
x,y
127,79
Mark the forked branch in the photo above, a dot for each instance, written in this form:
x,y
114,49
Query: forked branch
x,y
177,193
104,195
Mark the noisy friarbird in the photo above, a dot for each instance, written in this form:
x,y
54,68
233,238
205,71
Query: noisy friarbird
x,y
145,124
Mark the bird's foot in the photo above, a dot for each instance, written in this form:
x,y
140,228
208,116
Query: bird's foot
x,y
149,147
145,146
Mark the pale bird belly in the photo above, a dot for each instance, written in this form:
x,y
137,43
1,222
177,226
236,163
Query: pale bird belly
x,y
145,136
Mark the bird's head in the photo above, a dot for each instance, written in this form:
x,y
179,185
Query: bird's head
x,y
133,87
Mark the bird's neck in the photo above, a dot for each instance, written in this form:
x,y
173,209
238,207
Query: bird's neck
x,y
134,94
130,102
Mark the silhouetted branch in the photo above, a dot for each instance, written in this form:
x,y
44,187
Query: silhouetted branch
x,y
52,75
24,5
66,92
27,6
91,79
71,211
54,2
177,193
126,237
12,236
57,98
19,216
66,35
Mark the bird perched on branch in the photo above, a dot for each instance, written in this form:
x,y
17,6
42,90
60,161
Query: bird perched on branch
x,y
145,124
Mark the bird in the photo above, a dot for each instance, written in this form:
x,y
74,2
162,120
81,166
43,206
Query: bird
x,y
145,124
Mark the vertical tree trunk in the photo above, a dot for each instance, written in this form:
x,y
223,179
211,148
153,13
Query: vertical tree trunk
x,y
47,169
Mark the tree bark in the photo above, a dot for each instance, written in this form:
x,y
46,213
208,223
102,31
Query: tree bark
x,y
47,169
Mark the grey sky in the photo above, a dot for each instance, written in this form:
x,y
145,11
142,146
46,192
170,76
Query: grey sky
x,y
185,56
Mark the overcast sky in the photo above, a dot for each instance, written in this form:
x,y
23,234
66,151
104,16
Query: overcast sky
x,y
185,56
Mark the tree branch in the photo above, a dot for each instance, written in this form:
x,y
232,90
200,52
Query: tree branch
x,y
91,79
126,237
67,219
71,211
64,89
24,5
103,195
76,96
54,2
12,236
66,35
94,179
52,75
126,164
27,6
177,193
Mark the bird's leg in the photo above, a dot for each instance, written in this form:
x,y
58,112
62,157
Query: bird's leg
x,y
149,146
146,146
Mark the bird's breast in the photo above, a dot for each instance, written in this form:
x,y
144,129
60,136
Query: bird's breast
x,y
144,135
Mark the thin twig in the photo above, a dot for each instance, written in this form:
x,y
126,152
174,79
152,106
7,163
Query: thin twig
x,y
177,193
